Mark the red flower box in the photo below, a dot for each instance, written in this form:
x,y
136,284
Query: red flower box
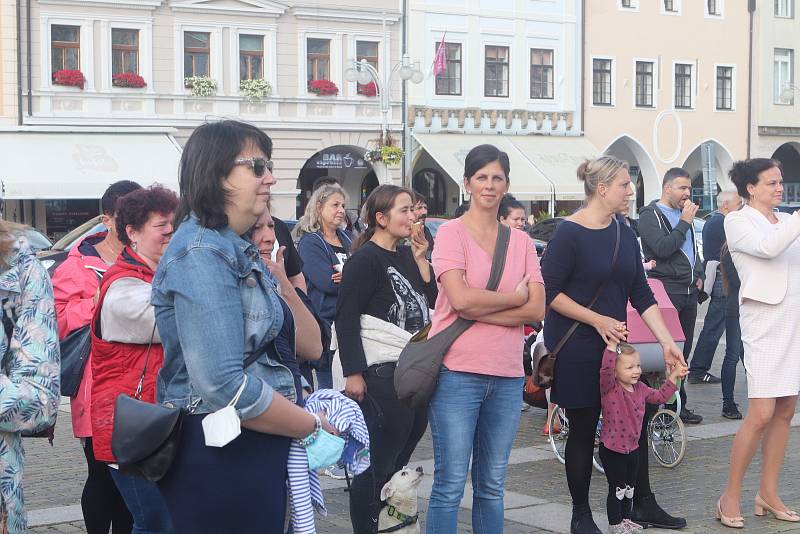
x,y
72,78
369,89
128,79
323,87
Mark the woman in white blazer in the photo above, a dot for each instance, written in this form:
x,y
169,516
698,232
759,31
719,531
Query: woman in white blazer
x,y
765,246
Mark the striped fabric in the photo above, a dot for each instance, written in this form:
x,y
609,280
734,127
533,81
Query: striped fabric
x,y
305,492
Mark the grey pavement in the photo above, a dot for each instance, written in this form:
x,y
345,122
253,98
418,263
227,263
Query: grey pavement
x,y
537,498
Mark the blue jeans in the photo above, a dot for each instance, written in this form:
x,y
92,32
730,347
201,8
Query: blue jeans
x,y
734,352
713,326
324,379
478,415
144,500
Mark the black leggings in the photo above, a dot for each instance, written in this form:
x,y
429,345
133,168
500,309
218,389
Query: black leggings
x,y
580,449
621,475
101,502
394,431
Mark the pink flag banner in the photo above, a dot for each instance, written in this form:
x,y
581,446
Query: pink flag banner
x,y
439,60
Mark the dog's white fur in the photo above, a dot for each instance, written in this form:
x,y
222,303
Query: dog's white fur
x,y
401,492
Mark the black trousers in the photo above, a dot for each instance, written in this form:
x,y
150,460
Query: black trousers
x,y
102,505
394,431
580,448
686,305
621,471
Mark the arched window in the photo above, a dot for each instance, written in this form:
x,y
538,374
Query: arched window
x,y
430,183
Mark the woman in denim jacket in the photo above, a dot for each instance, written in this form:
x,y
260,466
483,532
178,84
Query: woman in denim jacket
x,y
29,381
216,305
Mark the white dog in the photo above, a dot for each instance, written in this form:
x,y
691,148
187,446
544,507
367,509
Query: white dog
x,y
400,493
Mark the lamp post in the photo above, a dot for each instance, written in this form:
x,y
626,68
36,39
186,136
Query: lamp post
x,y
364,73
787,95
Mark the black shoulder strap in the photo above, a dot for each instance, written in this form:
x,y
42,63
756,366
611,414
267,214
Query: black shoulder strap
x,y
499,259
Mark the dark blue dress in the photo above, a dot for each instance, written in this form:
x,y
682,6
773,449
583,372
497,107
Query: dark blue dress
x,y
576,262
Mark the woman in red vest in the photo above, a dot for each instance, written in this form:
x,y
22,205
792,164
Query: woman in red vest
x,y
125,341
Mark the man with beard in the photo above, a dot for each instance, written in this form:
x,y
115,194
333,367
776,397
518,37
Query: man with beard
x,y
667,232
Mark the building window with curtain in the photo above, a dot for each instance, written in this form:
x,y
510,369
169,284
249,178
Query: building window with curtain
x,y
318,59
626,3
124,51
683,86
251,57
196,54
724,88
784,9
448,82
601,82
783,76
541,73
644,84
713,7
495,81
368,51
669,6
65,48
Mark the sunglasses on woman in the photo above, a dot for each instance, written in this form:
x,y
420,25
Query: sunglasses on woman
x,y
259,165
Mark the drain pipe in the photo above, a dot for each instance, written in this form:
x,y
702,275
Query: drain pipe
x,y
583,67
404,105
19,62
751,7
30,66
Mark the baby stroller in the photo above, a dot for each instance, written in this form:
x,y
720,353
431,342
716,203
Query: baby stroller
x,y
666,433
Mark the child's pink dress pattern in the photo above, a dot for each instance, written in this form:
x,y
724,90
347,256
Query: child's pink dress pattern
x,y
623,411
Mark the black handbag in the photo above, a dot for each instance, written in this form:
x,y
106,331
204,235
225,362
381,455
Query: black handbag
x,y
146,436
420,361
543,362
75,349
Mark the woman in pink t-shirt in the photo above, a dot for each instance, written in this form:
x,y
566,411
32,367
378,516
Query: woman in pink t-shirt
x,y
475,409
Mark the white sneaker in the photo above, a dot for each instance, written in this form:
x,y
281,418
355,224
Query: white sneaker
x,y
525,407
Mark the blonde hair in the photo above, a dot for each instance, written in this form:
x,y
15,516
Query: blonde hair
x,y
602,170
627,349
10,233
310,222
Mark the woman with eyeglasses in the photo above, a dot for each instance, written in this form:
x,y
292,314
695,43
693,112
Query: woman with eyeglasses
x,y
217,309
324,247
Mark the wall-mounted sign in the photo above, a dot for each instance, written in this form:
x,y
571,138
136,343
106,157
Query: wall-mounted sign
x,y
336,158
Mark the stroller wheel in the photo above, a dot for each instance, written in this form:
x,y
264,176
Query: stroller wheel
x,y
558,440
667,437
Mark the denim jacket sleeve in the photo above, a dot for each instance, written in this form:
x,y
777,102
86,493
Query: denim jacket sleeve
x,y
317,263
210,319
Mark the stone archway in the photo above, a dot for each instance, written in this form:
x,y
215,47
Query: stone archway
x,y
713,158
345,164
789,156
643,169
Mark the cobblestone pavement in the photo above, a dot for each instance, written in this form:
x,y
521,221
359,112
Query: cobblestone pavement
x,y
537,499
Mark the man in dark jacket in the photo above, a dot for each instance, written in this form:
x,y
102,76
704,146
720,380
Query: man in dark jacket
x,y
667,232
714,322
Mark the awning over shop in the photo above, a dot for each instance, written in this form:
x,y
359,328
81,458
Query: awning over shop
x,y
557,158
542,166
70,165
450,151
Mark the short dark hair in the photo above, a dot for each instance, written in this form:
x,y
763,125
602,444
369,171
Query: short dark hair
x,y
509,203
207,159
481,156
745,172
324,180
134,209
462,209
108,202
675,172
417,197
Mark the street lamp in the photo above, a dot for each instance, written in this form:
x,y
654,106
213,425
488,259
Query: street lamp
x,y
787,95
363,73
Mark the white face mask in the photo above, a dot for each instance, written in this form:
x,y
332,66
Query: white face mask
x,y
223,426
